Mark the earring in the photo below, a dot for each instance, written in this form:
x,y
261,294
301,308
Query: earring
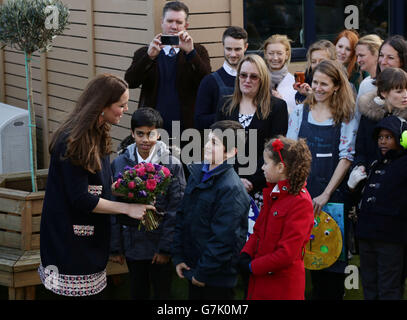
x,y
103,113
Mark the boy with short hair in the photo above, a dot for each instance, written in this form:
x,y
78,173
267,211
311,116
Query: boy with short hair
x,y
148,253
211,224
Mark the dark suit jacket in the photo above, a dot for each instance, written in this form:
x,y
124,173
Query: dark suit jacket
x,y
190,70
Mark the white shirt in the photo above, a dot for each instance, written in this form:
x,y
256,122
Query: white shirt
x,y
229,70
148,160
286,90
168,48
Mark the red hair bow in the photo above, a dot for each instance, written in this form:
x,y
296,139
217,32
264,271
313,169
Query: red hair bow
x,y
277,147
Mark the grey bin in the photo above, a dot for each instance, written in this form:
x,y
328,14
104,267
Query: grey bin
x,y
14,139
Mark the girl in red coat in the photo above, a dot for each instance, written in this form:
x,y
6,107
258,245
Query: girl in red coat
x,y
274,252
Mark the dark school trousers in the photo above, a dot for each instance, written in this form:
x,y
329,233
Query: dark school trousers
x,y
210,293
144,274
381,266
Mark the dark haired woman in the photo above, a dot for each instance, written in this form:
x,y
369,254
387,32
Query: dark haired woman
x,y
75,225
392,54
390,98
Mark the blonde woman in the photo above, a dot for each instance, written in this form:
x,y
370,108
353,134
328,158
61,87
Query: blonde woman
x,y
367,53
277,53
254,107
326,120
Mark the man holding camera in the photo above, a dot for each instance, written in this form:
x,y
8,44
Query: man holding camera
x,y
221,83
170,69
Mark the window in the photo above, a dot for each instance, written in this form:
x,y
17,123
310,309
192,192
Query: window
x,y
306,21
331,16
264,18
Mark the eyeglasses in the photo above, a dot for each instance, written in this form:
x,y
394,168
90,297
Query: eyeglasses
x,y
252,76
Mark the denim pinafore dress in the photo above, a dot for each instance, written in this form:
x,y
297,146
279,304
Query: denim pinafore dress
x,y
323,142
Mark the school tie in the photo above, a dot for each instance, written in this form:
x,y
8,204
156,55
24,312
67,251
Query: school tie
x,y
172,52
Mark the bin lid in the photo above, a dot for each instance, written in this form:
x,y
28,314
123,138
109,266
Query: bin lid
x,y
10,113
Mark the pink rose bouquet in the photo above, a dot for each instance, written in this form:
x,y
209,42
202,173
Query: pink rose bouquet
x,y
141,184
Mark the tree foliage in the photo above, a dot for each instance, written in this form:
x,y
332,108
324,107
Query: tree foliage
x,y
23,24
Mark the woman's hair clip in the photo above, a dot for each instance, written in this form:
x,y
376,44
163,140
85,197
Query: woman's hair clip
x,y
277,147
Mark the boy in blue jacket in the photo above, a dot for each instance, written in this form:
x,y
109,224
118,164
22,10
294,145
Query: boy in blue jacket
x,y
148,253
211,224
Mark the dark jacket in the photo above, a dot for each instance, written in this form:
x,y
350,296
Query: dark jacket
x,y
366,148
190,70
382,212
211,226
275,124
73,238
138,244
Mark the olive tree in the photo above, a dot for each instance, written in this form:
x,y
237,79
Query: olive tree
x,y
30,26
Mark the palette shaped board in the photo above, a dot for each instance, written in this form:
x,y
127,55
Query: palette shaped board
x,y
325,244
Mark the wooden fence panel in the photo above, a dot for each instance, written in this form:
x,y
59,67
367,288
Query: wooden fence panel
x,y
99,41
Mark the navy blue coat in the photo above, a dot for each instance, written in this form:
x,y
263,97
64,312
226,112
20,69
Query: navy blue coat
x,y
211,226
383,208
73,238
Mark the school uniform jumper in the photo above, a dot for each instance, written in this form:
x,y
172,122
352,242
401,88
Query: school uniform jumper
x,y
169,84
212,93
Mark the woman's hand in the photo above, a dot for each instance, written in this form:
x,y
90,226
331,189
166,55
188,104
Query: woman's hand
x,y
137,211
303,88
247,184
319,202
179,269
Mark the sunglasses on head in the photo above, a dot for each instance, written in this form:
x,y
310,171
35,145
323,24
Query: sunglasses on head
x,y
252,76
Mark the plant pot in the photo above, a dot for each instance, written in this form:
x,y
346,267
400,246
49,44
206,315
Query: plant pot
x,y
20,210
